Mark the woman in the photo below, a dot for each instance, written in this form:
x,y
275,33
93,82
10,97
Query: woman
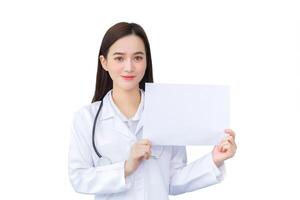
x,y
121,165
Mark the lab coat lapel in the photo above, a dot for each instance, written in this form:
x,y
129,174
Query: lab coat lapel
x,y
139,125
120,127
107,110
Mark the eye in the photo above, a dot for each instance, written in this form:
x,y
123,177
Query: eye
x,y
138,58
119,58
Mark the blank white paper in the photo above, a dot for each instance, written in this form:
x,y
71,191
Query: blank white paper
x,y
185,114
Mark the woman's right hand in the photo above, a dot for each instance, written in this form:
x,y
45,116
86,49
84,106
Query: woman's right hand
x,y
140,151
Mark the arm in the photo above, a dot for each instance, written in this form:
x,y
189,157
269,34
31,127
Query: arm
x,y
83,175
198,174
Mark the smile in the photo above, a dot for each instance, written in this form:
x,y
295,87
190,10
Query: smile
x,y
128,77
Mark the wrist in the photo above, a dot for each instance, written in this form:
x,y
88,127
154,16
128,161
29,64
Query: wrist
x,y
218,163
127,168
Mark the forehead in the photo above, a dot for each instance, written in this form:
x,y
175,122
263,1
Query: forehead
x,y
128,44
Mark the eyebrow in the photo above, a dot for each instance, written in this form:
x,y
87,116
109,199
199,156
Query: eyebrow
x,y
120,53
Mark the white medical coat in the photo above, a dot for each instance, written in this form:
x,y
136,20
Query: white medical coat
x,y
165,174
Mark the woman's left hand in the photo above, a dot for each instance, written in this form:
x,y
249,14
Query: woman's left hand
x,y
226,149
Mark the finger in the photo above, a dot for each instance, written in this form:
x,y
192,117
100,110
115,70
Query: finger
x,y
222,141
231,147
146,149
147,155
230,132
144,155
221,149
145,142
144,146
142,149
225,146
230,139
220,146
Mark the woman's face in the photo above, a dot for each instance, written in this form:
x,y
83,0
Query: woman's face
x,y
126,62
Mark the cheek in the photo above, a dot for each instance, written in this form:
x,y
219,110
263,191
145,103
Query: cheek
x,y
140,73
141,69
114,74
115,70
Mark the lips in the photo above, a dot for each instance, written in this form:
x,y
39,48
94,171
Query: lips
x,y
128,77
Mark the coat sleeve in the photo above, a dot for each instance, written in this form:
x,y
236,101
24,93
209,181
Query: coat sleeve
x,y
198,174
84,176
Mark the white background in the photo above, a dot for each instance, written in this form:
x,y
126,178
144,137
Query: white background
x,y
48,60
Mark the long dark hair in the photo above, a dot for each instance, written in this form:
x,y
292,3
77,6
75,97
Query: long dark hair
x,y
117,31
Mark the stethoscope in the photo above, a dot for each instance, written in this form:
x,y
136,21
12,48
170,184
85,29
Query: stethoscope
x,y
106,160
102,160
94,129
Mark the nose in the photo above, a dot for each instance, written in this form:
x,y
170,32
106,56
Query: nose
x,y
128,66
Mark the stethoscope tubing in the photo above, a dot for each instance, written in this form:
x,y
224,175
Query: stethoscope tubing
x,y
94,130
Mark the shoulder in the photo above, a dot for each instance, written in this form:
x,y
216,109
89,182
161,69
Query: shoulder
x,y
86,112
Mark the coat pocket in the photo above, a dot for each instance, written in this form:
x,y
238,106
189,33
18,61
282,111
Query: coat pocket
x,y
113,152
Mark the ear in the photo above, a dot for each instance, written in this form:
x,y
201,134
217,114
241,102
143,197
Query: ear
x,y
103,62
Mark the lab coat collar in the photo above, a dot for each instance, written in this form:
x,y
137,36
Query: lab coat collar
x,y
118,125
138,113
107,110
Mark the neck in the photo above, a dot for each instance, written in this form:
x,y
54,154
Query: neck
x,y
126,98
